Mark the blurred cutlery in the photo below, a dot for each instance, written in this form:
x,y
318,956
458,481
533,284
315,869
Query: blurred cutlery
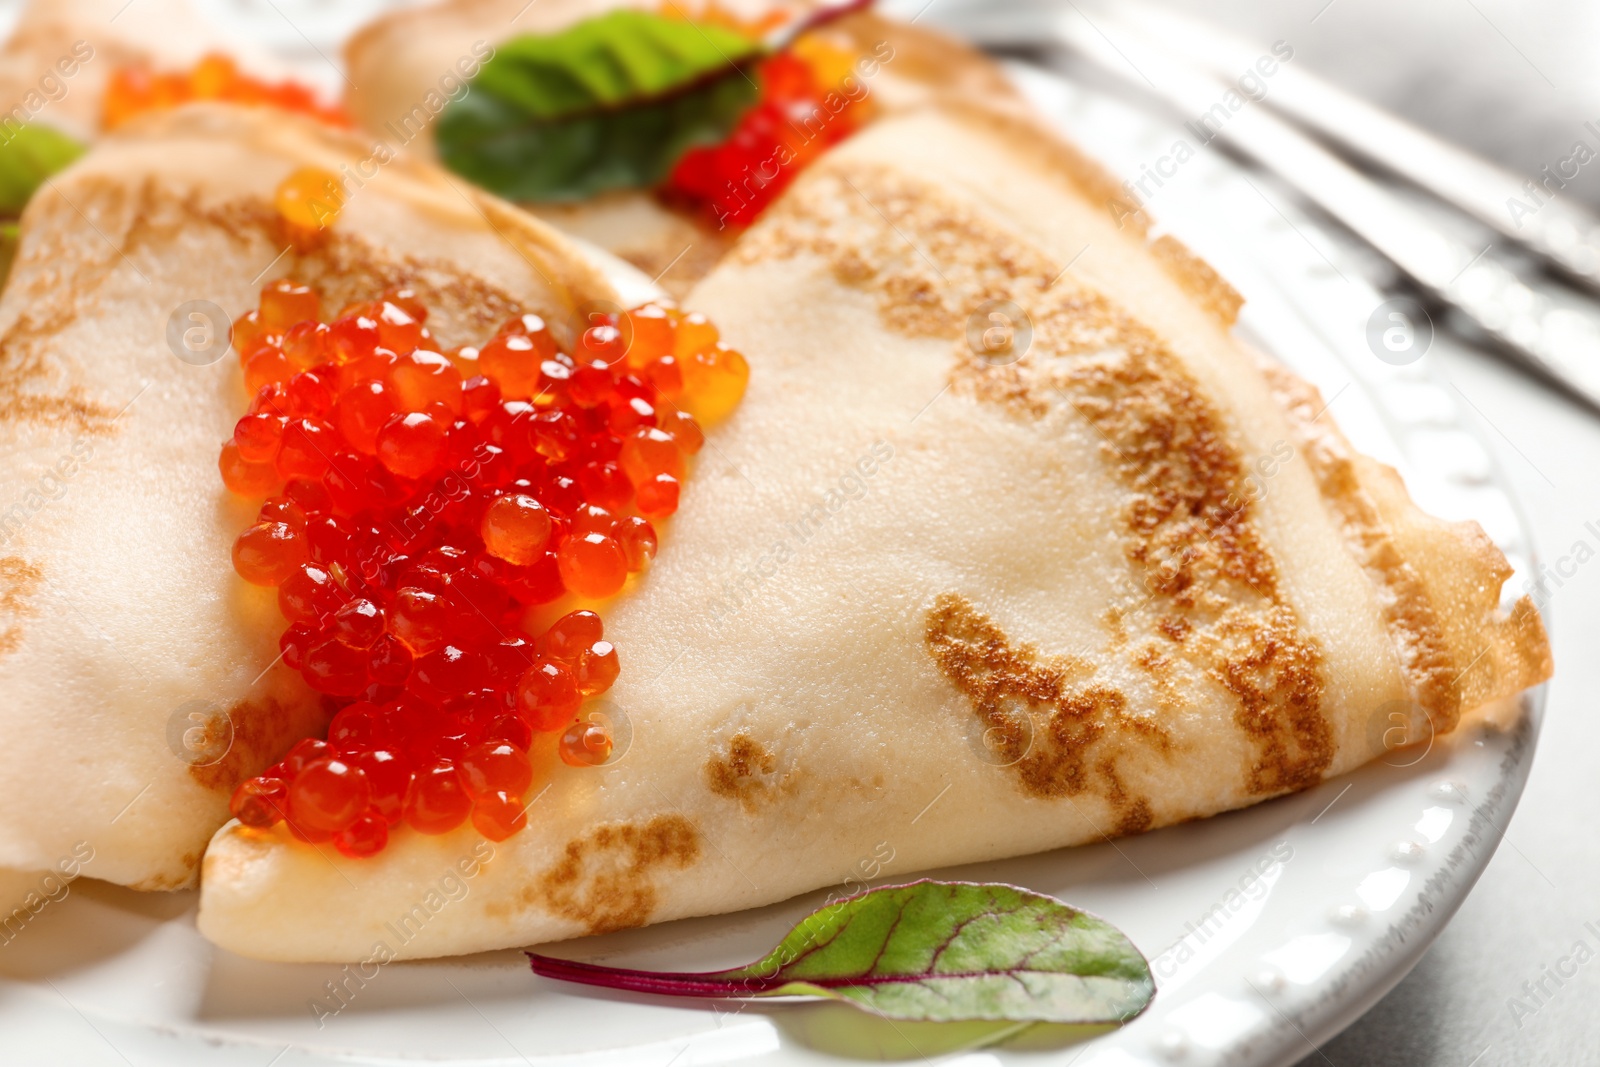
x,y
1560,344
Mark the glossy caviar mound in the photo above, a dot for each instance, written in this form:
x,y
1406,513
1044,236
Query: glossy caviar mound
x,y
420,506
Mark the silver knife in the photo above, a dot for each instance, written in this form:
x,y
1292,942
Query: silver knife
x,y
1529,210
1560,344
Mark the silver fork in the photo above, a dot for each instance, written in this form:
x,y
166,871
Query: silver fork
x,y
1559,344
1560,232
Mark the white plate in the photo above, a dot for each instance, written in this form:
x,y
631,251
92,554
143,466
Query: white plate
x,y
1270,928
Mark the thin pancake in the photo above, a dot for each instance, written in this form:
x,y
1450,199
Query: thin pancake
x,y
139,678
1127,555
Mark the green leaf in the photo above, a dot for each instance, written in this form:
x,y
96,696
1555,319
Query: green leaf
x,y
10,232
935,951
27,158
610,103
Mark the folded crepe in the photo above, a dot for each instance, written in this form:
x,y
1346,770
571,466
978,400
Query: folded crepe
x,y
139,677
55,64
972,594
405,64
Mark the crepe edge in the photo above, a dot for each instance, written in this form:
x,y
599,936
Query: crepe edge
x,y
571,276
1438,583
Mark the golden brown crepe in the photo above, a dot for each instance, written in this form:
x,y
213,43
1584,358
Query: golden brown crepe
x,y
139,679
1146,566
406,64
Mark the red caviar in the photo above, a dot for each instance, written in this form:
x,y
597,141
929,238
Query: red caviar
x,y
810,100
136,89
585,744
418,504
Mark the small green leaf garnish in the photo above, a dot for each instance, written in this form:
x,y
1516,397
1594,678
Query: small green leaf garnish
x,y
32,154
612,102
609,103
934,951
10,233
28,156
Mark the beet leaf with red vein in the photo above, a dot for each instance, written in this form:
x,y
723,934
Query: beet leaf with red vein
x,y
934,951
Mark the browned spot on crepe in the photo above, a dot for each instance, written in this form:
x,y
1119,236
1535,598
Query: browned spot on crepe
x,y
262,732
606,880
19,580
164,883
1205,580
61,278
1408,608
1190,531
1077,728
746,773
